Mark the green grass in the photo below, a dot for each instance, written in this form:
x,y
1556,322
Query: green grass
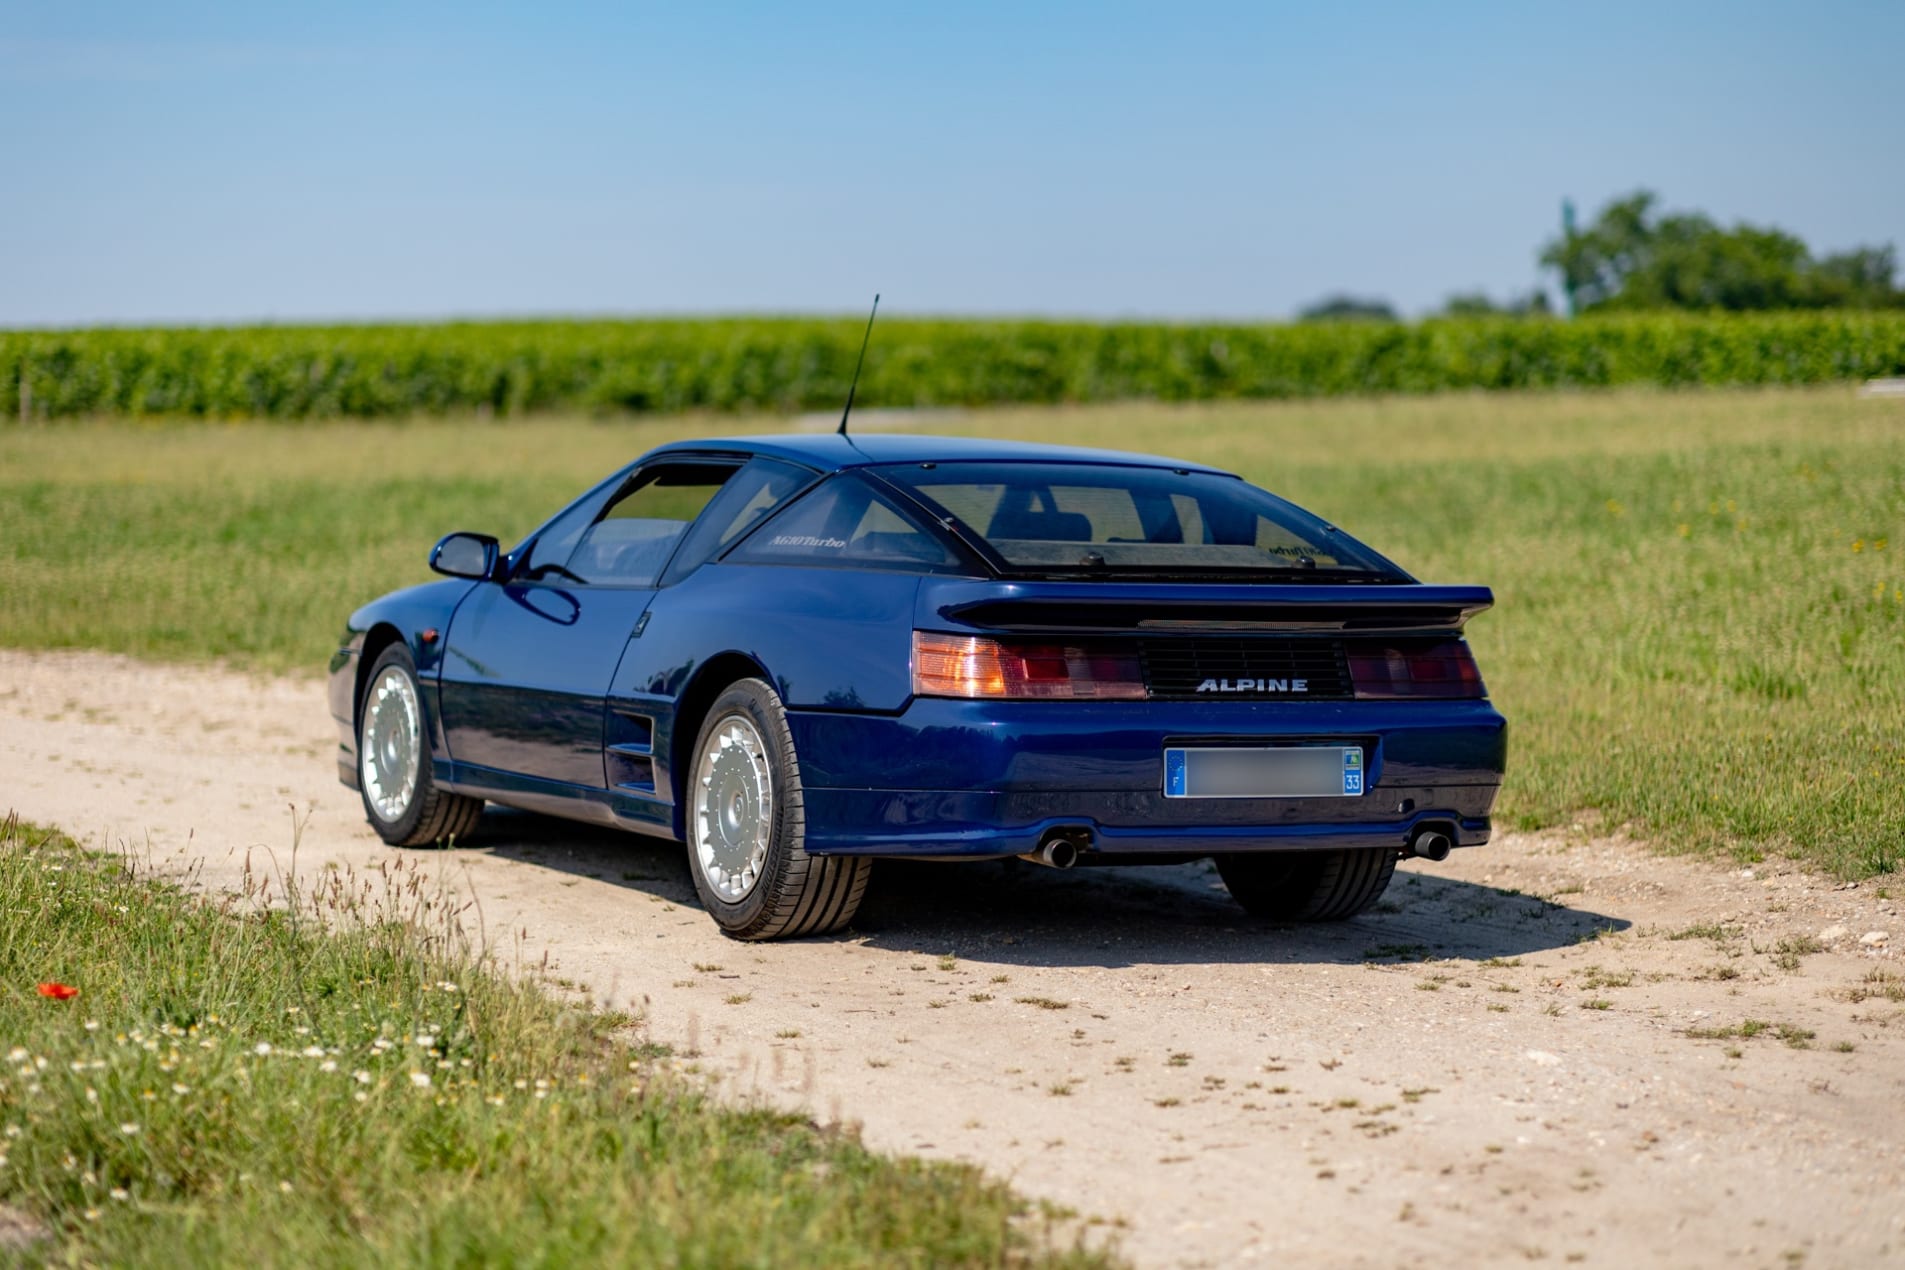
x,y
1700,595
232,1087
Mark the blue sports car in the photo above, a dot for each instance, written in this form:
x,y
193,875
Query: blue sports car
x,y
797,654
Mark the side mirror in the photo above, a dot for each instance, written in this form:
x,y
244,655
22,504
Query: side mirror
x,y
466,556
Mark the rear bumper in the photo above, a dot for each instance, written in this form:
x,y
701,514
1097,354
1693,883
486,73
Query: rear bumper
x,y
978,779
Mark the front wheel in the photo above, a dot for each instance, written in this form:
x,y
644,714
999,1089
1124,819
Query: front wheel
x,y
747,826
1308,886
403,803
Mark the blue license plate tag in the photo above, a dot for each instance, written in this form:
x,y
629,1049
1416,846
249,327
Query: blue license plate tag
x,y
1280,771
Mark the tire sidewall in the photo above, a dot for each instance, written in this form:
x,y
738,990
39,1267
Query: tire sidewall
x,y
404,826
753,700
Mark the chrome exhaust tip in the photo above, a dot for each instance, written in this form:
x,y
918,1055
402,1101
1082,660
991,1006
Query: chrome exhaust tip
x,y
1057,850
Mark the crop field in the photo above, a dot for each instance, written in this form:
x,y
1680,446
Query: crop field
x,y
658,366
1700,595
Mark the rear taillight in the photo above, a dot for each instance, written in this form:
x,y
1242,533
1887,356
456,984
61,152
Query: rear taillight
x,y
1445,670
975,667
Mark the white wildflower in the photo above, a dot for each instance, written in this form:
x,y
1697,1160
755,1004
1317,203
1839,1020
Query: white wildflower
x,y
129,1129
420,1079
328,1065
262,1048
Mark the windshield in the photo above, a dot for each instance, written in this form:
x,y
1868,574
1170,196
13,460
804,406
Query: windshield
x,y
1084,518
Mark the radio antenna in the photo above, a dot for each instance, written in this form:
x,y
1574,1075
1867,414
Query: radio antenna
x,y
854,386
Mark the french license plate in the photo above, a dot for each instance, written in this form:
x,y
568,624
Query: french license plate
x,y
1285,771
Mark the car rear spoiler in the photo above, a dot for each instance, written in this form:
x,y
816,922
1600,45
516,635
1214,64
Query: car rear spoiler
x,y
1141,608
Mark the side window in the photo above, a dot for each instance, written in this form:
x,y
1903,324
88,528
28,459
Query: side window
x,y
755,491
634,538
1274,539
845,523
556,543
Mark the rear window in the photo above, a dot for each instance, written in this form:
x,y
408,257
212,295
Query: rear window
x,y
1066,517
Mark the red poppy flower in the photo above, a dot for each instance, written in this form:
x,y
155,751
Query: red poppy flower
x,y
58,991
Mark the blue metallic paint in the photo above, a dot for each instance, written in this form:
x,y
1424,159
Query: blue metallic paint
x,y
886,773
983,778
402,615
522,678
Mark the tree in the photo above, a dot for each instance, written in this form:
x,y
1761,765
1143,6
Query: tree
x,y
1632,258
1349,308
1479,304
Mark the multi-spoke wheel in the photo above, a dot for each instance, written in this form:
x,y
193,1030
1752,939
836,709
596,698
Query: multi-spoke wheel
x,y
393,770
1307,886
747,827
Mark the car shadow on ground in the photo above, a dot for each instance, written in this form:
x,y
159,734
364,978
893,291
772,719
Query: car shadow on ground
x,y
1017,913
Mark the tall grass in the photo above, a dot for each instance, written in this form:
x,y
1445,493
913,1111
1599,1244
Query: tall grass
x,y
337,1080
1700,595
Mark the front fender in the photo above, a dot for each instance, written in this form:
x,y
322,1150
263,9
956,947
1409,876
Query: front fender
x,y
406,615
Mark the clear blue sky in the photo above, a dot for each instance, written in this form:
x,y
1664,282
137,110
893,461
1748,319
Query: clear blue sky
x,y
215,162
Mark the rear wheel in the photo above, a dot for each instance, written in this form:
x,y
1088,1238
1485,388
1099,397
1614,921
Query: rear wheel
x,y
1307,886
747,826
403,803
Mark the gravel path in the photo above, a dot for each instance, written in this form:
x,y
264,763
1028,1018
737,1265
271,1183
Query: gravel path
x,y
1531,1052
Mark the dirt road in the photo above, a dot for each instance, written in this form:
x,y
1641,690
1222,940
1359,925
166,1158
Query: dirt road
x,y
1556,1048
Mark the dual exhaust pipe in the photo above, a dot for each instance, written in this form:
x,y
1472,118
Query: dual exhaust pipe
x,y
1059,848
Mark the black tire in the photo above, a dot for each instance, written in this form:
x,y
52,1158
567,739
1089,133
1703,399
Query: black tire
x,y
782,893
424,815
1308,886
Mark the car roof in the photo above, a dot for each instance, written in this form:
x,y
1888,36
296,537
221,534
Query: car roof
x,y
831,452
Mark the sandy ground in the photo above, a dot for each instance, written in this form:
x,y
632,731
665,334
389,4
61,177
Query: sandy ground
x,y
1504,1063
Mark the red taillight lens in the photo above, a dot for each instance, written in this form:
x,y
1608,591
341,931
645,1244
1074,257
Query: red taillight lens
x,y
1442,670
974,667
